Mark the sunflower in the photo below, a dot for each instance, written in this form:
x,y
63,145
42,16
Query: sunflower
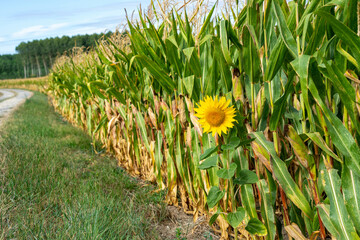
x,y
215,115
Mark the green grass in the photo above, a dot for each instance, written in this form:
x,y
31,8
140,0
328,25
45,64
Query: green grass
x,y
53,186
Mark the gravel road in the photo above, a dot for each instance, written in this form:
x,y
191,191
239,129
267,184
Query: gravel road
x,y
10,99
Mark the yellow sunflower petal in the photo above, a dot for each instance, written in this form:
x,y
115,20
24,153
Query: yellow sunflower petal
x,y
215,115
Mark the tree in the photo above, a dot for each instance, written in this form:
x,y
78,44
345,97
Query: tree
x,y
35,58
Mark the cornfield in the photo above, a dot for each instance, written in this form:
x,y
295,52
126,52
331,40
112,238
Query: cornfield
x,y
291,163
36,84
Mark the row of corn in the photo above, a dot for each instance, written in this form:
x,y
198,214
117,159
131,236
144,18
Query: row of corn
x,y
251,118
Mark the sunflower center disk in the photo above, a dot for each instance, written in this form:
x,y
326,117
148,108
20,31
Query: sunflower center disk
x,y
215,117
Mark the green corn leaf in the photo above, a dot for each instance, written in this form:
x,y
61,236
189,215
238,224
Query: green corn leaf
x,y
89,119
280,106
341,137
220,69
344,142
247,196
283,176
276,60
189,84
251,62
205,39
207,22
343,32
225,41
314,91
301,67
347,55
122,112
262,154
193,60
141,123
305,29
251,13
172,55
351,188
123,56
241,17
344,88
233,38
189,52
120,79
188,33
300,149
284,29
305,17
155,35
143,48
319,141
267,210
324,212
117,95
338,213
159,75
102,122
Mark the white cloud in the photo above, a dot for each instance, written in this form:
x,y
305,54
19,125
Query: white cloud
x,y
87,30
37,30
2,39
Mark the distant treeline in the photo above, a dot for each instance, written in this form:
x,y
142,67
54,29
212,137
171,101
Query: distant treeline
x,y
35,58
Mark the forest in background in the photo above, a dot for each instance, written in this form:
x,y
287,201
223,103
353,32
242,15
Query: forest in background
x,y
35,58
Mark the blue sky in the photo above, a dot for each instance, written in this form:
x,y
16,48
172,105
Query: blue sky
x,y
26,20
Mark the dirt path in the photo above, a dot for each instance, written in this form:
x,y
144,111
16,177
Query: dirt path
x,y
10,99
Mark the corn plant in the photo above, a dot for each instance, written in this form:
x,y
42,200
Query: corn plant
x,y
290,69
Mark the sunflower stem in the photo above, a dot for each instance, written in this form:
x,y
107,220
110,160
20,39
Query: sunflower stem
x,y
218,143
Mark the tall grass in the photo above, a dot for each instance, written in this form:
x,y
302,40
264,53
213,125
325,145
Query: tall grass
x,y
290,69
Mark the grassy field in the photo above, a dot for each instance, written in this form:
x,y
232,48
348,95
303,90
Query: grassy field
x,y
53,185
